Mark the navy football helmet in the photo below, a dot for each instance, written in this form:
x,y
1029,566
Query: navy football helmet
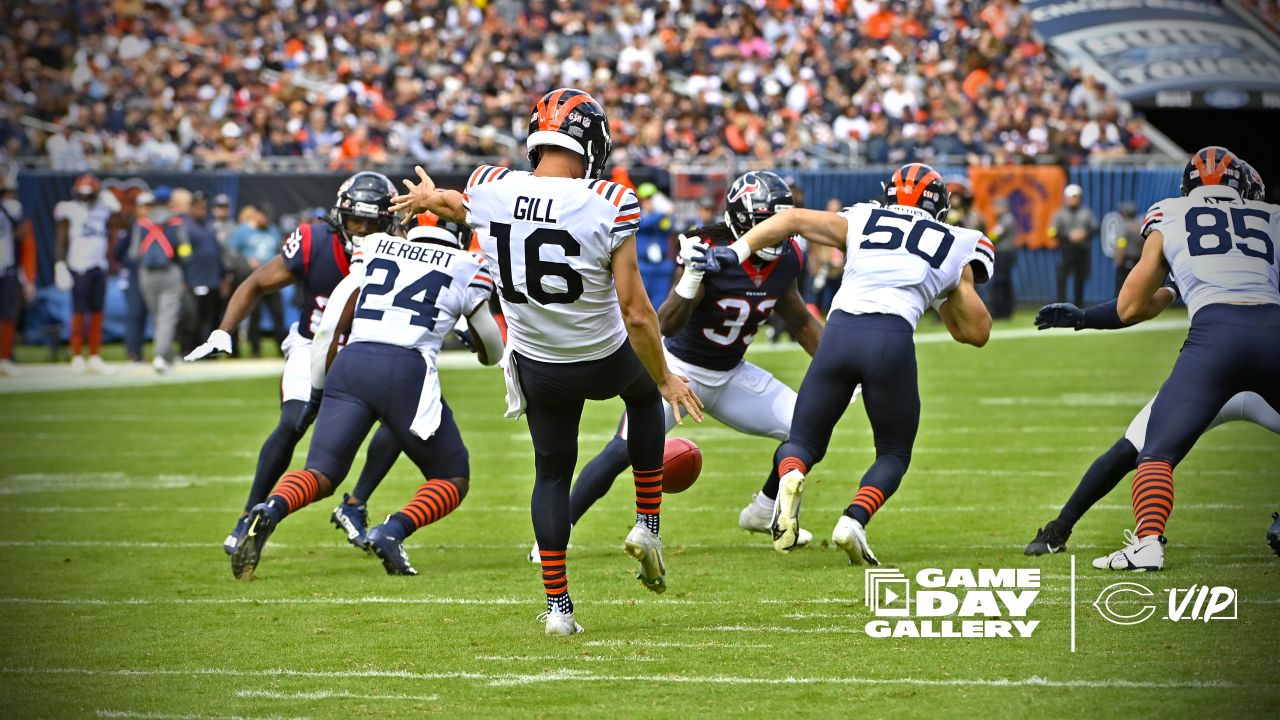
x,y
1255,188
363,195
754,198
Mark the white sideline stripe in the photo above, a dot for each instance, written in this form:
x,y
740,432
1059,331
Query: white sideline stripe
x,y
329,695
175,716
50,377
562,658
511,679
673,644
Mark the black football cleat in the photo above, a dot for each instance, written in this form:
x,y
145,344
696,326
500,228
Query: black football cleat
x,y
1051,538
244,560
390,550
237,535
352,520
1273,534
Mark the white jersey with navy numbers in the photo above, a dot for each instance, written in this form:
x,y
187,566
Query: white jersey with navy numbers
x,y
412,293
1220,248
87,230
549,243
899,260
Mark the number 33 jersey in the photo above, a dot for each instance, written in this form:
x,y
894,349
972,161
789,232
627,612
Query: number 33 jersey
x,y
412,293
549,241
1220,249
899,260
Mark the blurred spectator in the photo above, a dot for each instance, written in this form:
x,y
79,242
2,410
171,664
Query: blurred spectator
x,y
1004,233
135,319
157,244
203,270
653,245
234,84
15,286
1129,243
83,227
1074,226
257,241
826,267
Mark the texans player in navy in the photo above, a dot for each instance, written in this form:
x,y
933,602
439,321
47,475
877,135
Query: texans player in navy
x,y
707,323
317,254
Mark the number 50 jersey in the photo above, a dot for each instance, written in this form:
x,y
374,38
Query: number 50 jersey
x,y
1220,249
551,242
898,260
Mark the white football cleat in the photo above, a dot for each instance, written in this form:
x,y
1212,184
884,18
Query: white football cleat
x,y
646,548
560,624
78,364
161,365
1139,554
851,537
757,519
785,524
98,366
9,369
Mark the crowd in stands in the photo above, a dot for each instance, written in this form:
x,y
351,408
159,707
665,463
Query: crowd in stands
x,y
218,83
1267,10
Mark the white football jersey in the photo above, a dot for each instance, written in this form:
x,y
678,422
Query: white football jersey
x,y
10,218
899,260
1220,248
86,230
412,293
549,243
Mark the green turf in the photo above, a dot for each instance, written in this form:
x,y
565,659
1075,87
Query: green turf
x,y
118,602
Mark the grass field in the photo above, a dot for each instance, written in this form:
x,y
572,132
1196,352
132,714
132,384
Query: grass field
x,y
118,600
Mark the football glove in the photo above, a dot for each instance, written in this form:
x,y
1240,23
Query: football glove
x,y
1060,315
691,249
62,276
219,342
309,411
715,259
465,338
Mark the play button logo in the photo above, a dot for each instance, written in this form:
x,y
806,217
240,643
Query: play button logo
x,y
887,592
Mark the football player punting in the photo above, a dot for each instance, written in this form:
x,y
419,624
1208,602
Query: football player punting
x,y
402,298
708,322
1221,250
319,255
1109,469
83,225
579,324
900,259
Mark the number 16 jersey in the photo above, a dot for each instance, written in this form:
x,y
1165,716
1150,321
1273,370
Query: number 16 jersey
x,y
549,242
898,260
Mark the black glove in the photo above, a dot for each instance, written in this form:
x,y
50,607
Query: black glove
x,y
1060,315
716,258
465,339
309,411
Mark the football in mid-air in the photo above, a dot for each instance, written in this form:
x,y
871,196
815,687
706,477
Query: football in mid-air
x,y
681,463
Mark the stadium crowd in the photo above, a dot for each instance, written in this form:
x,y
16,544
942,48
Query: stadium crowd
x,y
215,83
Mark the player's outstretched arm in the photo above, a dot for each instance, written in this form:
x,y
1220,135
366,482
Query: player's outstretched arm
x,y
424,196
686,288
1102,316
803,325
964,313
267,278
485,335
331,327
817,226
642,329
1139,299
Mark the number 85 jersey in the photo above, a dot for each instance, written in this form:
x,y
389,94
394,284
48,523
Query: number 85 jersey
x,y
899,260
550,242
1220,249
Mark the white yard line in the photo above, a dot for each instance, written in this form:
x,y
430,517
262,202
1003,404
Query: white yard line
x,y
575,675
562,658
330,695
644,644
150,715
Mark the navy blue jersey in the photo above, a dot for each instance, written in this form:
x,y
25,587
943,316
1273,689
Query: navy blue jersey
x,y
314,254
735,302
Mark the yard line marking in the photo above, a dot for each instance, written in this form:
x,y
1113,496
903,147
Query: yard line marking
x,y
674,644
329,695
508,679
563,658
1073,603
767,629
175,716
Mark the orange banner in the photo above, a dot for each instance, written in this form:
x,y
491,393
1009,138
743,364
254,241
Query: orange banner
x,y
1034,193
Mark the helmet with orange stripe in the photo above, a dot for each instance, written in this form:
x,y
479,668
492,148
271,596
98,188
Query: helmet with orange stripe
x,y
573,120
431,228
1214,165
753,198
919,186
1255,188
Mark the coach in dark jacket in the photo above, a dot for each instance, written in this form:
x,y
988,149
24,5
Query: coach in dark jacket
x,y
204,274
1074,226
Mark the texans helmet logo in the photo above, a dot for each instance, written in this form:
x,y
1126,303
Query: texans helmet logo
x,y
746,189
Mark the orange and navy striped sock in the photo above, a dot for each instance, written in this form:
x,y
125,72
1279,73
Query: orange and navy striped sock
x,y
95,332
648,498
294,491
789,463
555,580
1152,496
77,333
434,500
865,503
